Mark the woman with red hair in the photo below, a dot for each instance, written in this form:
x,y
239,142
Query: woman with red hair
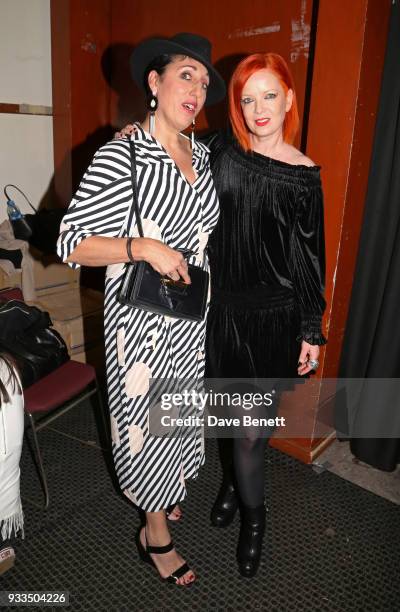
x,y
267,268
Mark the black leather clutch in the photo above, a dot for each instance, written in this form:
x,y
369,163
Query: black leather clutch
x,y
142,287
146,289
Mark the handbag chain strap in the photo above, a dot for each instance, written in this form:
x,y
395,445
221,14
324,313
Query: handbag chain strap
x,y
135,196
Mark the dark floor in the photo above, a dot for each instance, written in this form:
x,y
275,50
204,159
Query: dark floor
x,y
330,545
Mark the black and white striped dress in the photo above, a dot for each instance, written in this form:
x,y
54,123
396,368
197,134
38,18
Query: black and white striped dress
x,y
140,345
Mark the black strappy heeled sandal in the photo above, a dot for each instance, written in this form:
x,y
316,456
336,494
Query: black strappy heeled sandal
x,y
144,554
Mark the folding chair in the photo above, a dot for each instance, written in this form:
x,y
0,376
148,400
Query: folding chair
x,y
55,394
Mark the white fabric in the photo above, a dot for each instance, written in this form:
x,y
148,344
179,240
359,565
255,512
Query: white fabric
x,y
7,241
11,436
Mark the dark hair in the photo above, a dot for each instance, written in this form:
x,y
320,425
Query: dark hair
x,y
158,64
12,379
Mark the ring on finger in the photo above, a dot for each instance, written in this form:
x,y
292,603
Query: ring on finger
x,y
313,363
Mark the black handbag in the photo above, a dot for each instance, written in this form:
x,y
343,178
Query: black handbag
x,y
26,334
144,288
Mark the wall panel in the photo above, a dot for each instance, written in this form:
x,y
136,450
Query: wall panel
x,y
234,28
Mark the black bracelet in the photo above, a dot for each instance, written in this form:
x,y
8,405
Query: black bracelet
x,y
129,249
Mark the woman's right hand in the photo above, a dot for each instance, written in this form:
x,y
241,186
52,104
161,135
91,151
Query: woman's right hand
x,y
163,259
126,131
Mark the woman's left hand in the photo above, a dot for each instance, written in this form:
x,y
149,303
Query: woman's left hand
x,y
309,352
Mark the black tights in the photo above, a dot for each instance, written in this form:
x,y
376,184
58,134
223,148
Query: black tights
x,y
242,457
242,461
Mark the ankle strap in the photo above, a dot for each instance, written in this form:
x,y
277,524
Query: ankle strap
x,y
160,550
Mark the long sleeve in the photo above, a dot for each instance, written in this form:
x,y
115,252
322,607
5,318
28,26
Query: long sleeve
x,y
101,204
308,259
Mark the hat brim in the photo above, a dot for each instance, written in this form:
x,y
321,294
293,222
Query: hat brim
x,y
146,51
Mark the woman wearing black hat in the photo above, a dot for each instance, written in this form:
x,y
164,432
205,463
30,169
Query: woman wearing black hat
x,y
179,209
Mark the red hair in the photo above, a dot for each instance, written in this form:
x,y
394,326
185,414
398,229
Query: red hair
x,y
244,70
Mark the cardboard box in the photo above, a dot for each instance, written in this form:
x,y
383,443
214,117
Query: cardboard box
x,y
14,280
77,314
49,275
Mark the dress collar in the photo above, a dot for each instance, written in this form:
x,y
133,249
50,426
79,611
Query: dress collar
x,y
200,152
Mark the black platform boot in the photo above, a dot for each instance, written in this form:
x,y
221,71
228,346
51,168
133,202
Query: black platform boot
x,y
251,536
225,506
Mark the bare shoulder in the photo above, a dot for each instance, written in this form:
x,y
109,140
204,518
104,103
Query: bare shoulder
x,y
304,160
296,157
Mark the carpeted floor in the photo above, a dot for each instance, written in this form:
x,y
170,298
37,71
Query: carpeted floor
x,y
330,545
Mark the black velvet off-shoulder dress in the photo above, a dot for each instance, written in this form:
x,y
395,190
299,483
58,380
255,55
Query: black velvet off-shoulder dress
x,y
267,262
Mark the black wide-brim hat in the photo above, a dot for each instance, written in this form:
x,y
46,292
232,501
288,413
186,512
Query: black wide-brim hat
x,y
192,45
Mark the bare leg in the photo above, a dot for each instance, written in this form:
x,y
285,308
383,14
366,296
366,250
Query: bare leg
x,y
156,534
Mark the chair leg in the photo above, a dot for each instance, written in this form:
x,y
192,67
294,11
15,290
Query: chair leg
x,y
103,416
40,462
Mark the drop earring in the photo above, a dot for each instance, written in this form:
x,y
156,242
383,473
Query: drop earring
x,y
152,106
192,134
